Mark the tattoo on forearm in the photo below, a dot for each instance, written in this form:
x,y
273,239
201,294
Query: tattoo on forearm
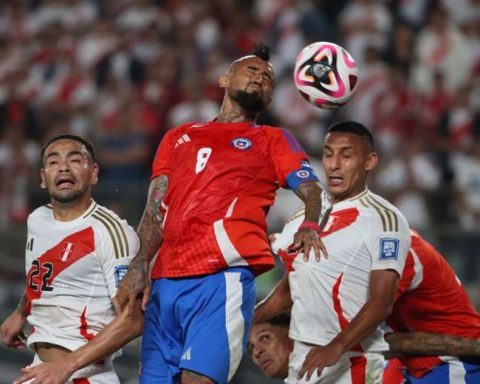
x,y
150,233
311,193
433,344
150,229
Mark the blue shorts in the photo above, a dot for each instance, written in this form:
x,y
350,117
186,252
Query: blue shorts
x,y
454,371
200,324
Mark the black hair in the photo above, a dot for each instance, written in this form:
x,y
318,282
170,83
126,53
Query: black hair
x,y
66,136
282,320
261,51
355,128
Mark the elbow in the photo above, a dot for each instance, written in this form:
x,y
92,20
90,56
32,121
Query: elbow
x,y
387,309
383,308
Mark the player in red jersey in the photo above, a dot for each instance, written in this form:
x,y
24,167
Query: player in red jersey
x,y
432,299
210,224
212,185
77,251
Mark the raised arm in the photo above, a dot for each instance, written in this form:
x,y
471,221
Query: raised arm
x,y
383,287
150,233
308,232
277,302
430,344
12,327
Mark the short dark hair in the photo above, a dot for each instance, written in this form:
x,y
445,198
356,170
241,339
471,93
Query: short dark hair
x,y
66,136
262,51
282,320
355,128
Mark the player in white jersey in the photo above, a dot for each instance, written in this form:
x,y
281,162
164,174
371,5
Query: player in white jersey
x,y
340,301
77,252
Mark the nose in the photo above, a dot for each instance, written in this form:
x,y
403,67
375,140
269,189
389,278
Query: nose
x,y
64,166
257,351
333,163
258,78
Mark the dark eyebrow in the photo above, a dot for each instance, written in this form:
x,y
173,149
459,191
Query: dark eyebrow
x,y
76,152
52,154
70,154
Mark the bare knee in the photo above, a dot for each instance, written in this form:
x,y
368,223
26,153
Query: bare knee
x,y
189,377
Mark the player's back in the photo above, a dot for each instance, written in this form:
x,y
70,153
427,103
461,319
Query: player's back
x,y
432,297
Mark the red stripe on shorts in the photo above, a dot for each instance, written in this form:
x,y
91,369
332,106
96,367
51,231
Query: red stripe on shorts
x,y
358,369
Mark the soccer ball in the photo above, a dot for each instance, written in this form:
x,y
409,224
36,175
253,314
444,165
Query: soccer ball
x,y
325,74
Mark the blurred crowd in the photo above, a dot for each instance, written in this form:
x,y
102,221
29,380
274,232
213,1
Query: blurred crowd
x,y
122,72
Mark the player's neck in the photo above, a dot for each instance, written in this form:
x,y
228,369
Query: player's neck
x,y
70,211
233,113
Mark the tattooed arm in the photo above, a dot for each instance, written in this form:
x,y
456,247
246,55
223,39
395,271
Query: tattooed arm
x,y
307,237
12,327
150,232
430,344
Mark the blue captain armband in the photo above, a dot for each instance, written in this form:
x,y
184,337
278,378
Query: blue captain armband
x,y
300,176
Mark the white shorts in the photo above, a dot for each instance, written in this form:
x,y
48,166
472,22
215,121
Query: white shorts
x,y
100,373
352,368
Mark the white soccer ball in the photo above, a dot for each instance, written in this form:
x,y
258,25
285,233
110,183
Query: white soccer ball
x,y
326,75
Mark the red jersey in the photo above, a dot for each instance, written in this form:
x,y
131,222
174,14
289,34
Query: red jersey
x,y
432,299
222,179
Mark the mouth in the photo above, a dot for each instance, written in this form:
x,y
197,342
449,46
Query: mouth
x,y
65,182
334,181
265,364
255,86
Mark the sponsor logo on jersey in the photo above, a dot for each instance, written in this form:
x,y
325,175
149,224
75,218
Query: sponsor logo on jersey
x,y
120,271
242,143
389,249
187,355
303,173
183,139
30,244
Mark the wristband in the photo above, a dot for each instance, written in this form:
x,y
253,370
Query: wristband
x,y
310,225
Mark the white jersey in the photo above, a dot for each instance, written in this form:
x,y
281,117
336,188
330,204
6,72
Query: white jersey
x,y
73,269
362,234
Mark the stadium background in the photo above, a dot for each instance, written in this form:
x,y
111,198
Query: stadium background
x,y
122,72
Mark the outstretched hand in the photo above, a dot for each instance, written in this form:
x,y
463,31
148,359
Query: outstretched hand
x,y
12,331
319,358
46,373
306,239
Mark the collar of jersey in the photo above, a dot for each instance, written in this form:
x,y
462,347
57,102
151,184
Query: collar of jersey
x,y
252,123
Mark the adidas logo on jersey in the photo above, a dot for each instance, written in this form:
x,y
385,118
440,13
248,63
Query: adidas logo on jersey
x,y
183,139
187,354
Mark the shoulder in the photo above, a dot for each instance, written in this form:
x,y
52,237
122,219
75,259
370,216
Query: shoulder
x,y
110,228
43,212
183,128
101,217
272,130
381,213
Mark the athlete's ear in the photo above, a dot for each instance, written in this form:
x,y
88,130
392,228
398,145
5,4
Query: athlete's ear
x,y
224,81
372,161
94,175
43,184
